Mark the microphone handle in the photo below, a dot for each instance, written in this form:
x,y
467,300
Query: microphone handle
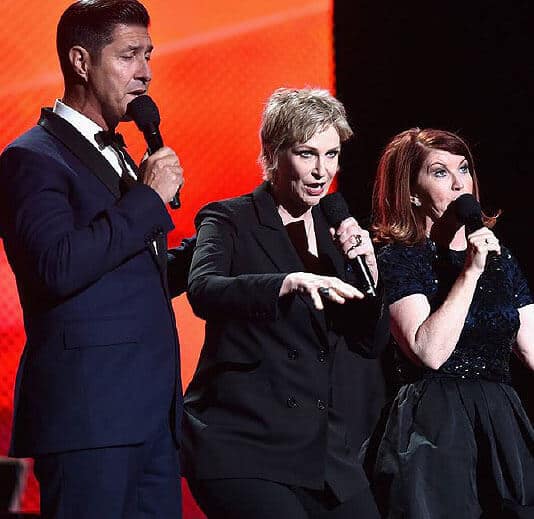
x,y
492,259
368,286
155,142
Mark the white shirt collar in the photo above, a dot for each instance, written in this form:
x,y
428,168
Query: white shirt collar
x,y
89,129
82,123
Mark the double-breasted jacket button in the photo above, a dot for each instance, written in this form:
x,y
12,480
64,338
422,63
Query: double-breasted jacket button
x,y
293,354
321,405
292,402
322,355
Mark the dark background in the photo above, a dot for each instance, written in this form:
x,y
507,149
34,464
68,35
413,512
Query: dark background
x,y
466,67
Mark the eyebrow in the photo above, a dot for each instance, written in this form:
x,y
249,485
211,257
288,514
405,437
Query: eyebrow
x,y
308,147
439,163
150,48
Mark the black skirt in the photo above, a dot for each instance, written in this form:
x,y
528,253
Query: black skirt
x,y
452,448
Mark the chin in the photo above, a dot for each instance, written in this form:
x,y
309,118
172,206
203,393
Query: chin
x,y
316,199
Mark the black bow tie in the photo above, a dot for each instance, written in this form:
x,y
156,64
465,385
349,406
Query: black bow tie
x,y
107,138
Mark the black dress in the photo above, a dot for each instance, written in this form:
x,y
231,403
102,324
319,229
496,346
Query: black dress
x,y
456,442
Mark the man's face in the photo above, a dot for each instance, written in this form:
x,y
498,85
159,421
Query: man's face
x,y
121,73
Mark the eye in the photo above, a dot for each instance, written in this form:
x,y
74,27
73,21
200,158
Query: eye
x,y
148,57
305,154
127,57
441,172
332,154
464,168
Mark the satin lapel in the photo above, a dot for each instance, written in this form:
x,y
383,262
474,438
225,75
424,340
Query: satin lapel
x,y
131,162
274,240
271,235
82,148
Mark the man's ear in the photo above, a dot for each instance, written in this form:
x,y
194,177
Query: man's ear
x,y
80,61
414,199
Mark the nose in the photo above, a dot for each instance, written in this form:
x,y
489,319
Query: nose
x,y
144,72
457,183
319,170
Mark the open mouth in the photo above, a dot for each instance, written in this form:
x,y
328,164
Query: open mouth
x,y
315,189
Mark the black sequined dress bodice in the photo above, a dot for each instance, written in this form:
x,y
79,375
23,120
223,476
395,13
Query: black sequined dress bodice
x,y
484,347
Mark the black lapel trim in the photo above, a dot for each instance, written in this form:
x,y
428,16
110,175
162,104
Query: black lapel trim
x,y
272,235
82,148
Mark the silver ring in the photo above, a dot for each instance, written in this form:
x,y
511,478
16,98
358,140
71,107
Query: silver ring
x,y
357,240
323,291
352,247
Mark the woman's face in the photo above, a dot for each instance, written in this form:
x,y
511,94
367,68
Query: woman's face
x,y
442,179
306,170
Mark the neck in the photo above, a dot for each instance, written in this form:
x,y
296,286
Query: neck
x,y
287,217
78,98
294,209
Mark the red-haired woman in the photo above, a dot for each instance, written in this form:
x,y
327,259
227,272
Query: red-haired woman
x,y
457,442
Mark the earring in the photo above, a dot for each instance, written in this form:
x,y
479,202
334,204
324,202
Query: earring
x,y
415,201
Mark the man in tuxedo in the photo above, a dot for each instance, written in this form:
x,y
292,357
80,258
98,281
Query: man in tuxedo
x,y
98,395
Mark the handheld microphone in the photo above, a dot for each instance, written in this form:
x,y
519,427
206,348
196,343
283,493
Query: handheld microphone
x,y
336,210
145,114
468,212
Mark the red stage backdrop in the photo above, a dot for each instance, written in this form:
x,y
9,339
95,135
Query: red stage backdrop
x,y
214,65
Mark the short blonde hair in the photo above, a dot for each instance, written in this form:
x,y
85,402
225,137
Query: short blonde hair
x,y
293,116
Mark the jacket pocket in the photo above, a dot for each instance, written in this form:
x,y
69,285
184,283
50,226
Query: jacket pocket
x,y
100,332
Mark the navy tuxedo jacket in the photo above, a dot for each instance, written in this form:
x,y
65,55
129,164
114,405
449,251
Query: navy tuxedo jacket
x,y
101,365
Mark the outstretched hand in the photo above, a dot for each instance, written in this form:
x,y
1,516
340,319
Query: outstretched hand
x,y
319,288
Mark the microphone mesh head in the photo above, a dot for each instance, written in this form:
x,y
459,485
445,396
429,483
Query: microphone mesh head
x,y
467,207
335,209
468,212
143,112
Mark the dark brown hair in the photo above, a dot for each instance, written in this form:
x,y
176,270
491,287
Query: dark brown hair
x,y
90,24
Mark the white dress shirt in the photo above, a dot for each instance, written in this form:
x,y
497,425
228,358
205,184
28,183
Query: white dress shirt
x,y
89,129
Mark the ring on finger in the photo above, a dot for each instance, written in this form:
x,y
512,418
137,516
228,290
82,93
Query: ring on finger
x,y
356,240
324,291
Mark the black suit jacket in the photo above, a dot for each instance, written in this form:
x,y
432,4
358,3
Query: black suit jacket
x,y
100,366
258,403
